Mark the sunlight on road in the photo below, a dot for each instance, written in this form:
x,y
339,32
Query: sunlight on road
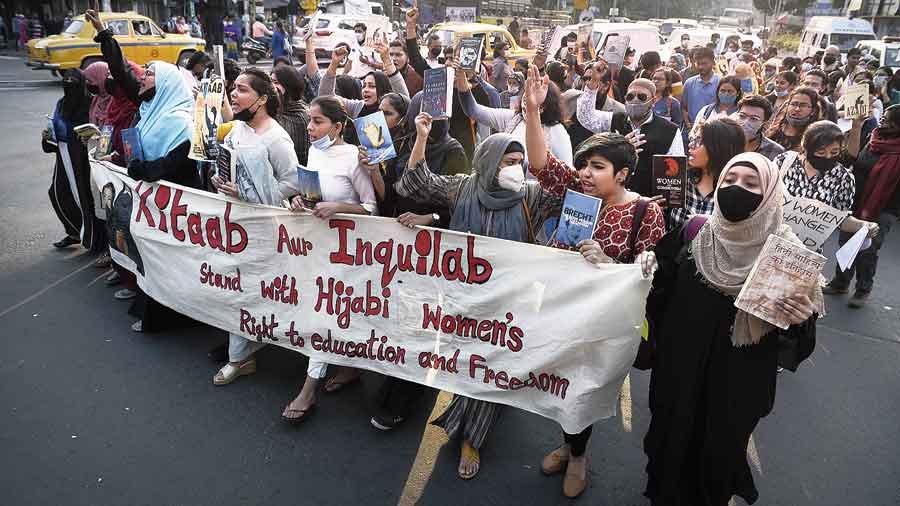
x,y
433,438
625,403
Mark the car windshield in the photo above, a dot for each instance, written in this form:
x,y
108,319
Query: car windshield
x,y
846,41
75,27
892,56
446,36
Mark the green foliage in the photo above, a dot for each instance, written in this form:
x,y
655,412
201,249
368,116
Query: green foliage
x,y
788,42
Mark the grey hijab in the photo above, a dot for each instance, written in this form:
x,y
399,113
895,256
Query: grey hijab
x,y
483,207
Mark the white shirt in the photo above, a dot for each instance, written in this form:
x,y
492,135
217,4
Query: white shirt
x,y
271,159
341,178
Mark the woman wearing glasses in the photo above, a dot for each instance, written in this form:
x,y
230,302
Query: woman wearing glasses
x,y
801,110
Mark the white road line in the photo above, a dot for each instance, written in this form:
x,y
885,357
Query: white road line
x,y
40,292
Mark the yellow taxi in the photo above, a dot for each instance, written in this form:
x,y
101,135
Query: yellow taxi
x,y
141,41
450,33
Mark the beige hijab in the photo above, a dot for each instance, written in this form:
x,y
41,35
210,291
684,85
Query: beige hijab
x,y
725,252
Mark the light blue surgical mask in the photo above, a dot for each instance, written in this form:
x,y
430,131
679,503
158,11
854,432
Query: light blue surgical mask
x,y
727,99
323,143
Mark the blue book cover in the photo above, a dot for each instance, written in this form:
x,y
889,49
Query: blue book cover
x,y
310,189
374,135
578,218
131,143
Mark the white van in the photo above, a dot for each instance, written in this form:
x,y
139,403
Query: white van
x,y
887,51
824,31
643,38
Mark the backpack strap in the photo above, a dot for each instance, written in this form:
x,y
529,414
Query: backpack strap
x,y
693,226
639,212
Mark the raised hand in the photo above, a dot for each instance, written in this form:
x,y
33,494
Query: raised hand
x,y
338,54
535,89
412,15
94,18
423,124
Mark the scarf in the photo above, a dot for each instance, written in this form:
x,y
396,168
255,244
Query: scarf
x,y
725,252
483,207
95,74
72,109
166,120
882,181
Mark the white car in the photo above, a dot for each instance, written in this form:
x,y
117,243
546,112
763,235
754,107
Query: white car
x,y
643,38
329,30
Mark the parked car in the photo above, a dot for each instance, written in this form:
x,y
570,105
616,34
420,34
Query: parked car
x,y
333,29
643,38
450,34
141,40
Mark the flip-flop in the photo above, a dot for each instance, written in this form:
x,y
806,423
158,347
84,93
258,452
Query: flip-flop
x,y
472,455
332,385
298,419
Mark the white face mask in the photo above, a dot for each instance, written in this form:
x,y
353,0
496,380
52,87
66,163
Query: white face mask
x,y
511,177
514,90
571,45
360,37
323,143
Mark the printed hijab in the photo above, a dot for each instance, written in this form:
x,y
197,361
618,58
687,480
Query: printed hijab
x,y
725,251
166,119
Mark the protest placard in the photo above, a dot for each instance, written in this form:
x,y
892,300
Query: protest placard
x,y
813,221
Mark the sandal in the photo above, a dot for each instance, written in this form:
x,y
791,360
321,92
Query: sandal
x,y
103,261
334,385
470,454
574,485
555,462
304,414
231,372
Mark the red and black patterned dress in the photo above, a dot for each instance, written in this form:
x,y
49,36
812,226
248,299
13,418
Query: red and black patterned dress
x,y
614,224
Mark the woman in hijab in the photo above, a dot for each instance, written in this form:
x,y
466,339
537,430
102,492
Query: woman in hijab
x,y
95,76
493,201
71,189
708,392
375,85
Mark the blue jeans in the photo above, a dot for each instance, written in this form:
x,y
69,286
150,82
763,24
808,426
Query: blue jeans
x,y
866,261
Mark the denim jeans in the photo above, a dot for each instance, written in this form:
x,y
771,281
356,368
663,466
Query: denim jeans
x,y
866,261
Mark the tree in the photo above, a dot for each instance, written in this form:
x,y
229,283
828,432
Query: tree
x,y
768,6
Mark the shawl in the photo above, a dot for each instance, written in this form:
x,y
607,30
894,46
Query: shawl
x,y
883,179
95,74
483,207
725,251
166,120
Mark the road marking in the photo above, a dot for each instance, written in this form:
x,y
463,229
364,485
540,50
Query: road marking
x,y
433,438
103,274
42,291
12,57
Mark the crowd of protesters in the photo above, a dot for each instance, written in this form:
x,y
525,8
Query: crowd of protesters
x,y
753,128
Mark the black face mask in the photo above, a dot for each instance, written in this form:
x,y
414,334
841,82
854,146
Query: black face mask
x,y
829,60
737,203
69,85
245,115
110,85
93,90
434,52
821,164
148,95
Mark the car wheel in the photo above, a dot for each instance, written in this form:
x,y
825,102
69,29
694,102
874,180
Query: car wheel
x,y
252,58
184,57
88,61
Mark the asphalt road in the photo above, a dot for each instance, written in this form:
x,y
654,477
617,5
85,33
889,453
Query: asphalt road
x,y
93,413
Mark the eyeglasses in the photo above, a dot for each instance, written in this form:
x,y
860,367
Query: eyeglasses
x,y
643,97
800,105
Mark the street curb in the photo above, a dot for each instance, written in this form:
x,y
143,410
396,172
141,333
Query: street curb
x,y
29,84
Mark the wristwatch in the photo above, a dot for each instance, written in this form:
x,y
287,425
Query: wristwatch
x,y
435,218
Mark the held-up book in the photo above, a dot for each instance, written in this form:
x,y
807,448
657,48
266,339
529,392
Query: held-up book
x,y
437,97
374,135
470,53
88,130
782,269
50,128
226,164
310,189
105,142
131,144
856,101
670,179
578,218
614,52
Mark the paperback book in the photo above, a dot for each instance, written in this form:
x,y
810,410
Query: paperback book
x,y
374,135
578,218
105,142
207,118
131,144
856,101
782,269
670,179
470,53
437,97
226,164
614,52
310,189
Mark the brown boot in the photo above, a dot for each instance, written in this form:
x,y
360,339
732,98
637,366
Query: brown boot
x,y
574,483
555,462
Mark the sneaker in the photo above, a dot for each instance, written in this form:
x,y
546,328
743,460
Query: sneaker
x,y
113,279
831,289
124,294
386,423
138,326
858,300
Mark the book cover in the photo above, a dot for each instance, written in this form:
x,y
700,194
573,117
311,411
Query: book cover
x,y
783,268
105,142
584,38
310,189
547,39
614,52
226,164
207,117
470,53
50,128
670,179
856,100
374,135
437,97
131,144
578,218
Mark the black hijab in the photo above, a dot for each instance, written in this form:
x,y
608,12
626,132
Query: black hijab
x,y
439,141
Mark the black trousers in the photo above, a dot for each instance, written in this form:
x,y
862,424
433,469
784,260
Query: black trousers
x,y
578,442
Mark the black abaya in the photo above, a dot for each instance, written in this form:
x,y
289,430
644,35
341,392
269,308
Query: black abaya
x,y
706,395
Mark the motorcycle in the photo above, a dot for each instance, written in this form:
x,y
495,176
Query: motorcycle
x,y
256,49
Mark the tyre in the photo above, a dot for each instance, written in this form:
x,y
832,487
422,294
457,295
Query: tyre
x,y
184,57
88,61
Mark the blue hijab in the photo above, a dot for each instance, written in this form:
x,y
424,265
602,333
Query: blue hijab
x,y
166,120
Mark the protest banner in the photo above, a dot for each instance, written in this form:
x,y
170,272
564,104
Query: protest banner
x,y
532,327
813,221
